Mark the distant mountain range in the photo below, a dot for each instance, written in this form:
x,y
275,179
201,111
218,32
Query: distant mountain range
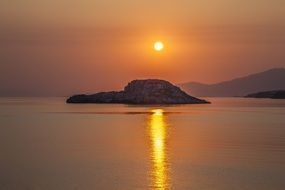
x,y
273,79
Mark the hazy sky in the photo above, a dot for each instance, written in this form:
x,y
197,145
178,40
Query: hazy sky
x,y
61,47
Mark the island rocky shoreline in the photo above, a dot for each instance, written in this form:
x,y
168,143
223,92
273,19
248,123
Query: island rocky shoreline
x,y
149,91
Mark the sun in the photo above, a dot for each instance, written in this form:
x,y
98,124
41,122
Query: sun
x,y
158,46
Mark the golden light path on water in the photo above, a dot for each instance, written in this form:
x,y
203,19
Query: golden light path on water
x,y
158,133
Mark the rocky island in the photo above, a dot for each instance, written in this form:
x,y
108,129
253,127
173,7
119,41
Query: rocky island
x,y
275,94
150,91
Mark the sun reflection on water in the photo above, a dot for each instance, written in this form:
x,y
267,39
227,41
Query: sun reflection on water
x,y
158,133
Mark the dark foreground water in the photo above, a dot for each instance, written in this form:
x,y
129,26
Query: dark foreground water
x,y
231,144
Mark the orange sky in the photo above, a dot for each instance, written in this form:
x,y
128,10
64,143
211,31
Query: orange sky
x,y
64,46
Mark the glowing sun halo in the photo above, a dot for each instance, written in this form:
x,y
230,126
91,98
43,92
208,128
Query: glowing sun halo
x,y
158,46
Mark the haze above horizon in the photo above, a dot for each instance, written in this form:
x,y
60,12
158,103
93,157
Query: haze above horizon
x,y
62,47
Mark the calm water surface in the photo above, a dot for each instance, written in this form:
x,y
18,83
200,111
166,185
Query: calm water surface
x,y
236,144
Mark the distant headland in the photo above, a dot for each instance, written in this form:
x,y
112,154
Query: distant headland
x,y
275,94
150,91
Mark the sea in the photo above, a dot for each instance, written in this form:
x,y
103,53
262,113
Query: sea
x,y
230,144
